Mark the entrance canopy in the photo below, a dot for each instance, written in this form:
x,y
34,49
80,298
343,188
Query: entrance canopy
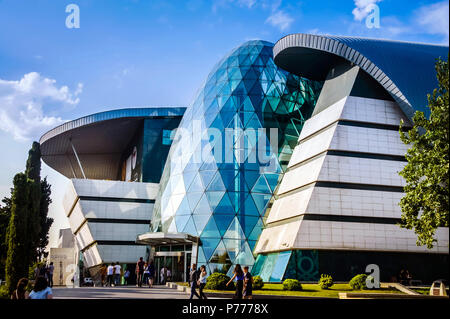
x,y
161,238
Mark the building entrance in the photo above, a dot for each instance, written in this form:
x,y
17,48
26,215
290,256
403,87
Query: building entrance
x,y
172,263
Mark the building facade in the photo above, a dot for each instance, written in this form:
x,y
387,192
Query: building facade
x,y
287,161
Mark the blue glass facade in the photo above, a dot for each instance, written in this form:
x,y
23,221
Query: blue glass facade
x,y
229,153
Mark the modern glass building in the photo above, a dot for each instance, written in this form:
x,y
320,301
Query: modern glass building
x,y
286,161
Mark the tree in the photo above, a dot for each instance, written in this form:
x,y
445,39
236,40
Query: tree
x,y
5,216
425,206
45,221
28,226
17,260
33,173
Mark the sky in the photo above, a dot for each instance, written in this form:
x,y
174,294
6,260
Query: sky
x,y
132,53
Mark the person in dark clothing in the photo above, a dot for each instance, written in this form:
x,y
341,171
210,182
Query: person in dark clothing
x,y
248,284
193,278
239,275
140,271
202,281
151,274
21,290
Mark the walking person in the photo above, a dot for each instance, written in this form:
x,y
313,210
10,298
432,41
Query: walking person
x,y
126,276
202,281
193,279
248,284
109,275
169,275
163,275
50,269
43,271
239,275
140,271
41,289
103,272
146,274
151,274
21,290
117,273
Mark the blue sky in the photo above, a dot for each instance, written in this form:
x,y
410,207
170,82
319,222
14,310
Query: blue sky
x,y
141,52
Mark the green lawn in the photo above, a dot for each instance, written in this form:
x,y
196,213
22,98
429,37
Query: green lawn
x,y
422,291
309,290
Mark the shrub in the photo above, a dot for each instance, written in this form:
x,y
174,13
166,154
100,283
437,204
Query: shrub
x,y
292,284
257,282
325,281
358,282
4,294
218,281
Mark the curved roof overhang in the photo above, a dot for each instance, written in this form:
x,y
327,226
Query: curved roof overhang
x,y
99,141
405,70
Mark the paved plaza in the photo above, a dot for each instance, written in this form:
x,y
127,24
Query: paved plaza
x,y
121,292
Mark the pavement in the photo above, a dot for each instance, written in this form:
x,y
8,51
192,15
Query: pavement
x,y
120,292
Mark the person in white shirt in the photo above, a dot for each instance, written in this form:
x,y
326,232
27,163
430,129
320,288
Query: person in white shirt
x,y
117,269
109,275
163,275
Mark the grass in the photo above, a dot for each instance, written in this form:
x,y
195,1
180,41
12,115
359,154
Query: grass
x,y
422,291
309,290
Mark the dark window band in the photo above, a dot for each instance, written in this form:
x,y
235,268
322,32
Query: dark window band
x,y
368,155
352,219
385,157
117,199
117,242
111,242
369,187
118,221
379,126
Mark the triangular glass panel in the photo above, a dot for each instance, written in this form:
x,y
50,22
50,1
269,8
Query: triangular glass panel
x,y
216,183
249,208
248,223
206,176
190,227
214,198
225,206
220,255
197,185
181,221
261,201
223,222
254,235
193,198
261,186
235,230
199,222
209,245
211,230
203,207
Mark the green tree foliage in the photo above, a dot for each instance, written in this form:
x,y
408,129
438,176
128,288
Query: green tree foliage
x,y
33,171
257,282
218,281
45,222
5,215
325,281
292,285
425,205
358,282
28,225
17,260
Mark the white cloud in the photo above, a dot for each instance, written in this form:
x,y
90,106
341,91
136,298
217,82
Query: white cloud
x,y
224,3
280,19
363,8
247,3
434,19
22,104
